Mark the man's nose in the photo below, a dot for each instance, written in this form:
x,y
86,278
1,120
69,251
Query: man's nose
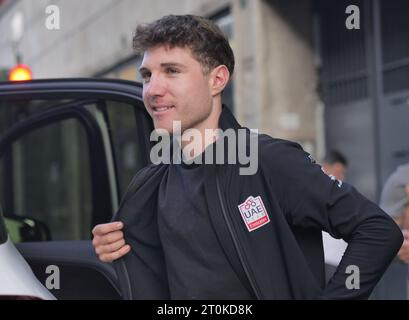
x,y
155,87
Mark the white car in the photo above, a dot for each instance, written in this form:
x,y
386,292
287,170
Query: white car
x,y
18,281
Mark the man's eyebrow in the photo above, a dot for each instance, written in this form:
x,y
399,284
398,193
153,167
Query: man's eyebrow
x,y
163,65
172,64
143,69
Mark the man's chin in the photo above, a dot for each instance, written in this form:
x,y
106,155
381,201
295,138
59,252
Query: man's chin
x,y
163,130
168,128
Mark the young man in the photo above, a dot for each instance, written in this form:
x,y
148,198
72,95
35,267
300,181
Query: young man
x,y
207,232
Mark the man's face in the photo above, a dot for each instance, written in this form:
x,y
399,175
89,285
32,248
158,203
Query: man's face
x,y
175,88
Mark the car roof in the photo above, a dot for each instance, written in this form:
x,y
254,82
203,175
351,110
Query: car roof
x,y
76,79
71,86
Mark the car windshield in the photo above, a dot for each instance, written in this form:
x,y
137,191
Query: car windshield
x,y
3,231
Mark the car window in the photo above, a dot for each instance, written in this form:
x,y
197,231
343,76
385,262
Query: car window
x,y
126,141
17,110
45,175
50,179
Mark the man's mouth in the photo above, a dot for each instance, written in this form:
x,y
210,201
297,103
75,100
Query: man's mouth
x,y
161,109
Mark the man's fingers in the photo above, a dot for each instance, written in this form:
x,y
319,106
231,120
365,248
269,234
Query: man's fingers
x,y
404,258
403,253
109,257
108,238
109,241
102,229
109,248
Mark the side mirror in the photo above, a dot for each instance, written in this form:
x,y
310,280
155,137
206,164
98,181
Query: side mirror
x,y
23,229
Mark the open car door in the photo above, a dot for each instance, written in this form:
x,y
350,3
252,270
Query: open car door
x,y
68,150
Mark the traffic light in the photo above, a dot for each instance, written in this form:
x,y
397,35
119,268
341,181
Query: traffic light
x,y
20,73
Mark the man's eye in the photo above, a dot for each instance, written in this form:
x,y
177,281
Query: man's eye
x,y
146,77
172,70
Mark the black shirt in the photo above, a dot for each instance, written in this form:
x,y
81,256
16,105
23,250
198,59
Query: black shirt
x,y
196,264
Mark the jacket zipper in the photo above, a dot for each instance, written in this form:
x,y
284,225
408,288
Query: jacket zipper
x,y
236,242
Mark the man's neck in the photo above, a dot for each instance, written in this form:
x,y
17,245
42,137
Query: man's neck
x,y
194,143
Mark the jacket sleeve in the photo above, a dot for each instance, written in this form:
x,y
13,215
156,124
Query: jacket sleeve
x,y
311,199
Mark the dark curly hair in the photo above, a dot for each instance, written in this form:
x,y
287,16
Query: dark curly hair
x,y
204,38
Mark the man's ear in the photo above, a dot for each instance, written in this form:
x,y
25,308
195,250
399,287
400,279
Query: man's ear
x,y
219,77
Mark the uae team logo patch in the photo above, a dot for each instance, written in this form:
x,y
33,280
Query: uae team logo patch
x,y
254,213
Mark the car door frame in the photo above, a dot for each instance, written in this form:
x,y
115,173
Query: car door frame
x,y
78,88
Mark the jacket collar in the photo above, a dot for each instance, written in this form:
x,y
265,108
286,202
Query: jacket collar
x,y
227,120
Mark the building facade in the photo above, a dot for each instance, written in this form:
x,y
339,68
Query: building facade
x,y
95,36
301,73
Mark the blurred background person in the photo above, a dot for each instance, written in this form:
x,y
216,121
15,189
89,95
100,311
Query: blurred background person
x,y
334,164
395,202
395,196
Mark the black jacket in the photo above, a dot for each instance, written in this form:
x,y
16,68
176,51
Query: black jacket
x,y
284,258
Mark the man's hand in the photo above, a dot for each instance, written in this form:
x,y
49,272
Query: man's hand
x,y
403,253
109,241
